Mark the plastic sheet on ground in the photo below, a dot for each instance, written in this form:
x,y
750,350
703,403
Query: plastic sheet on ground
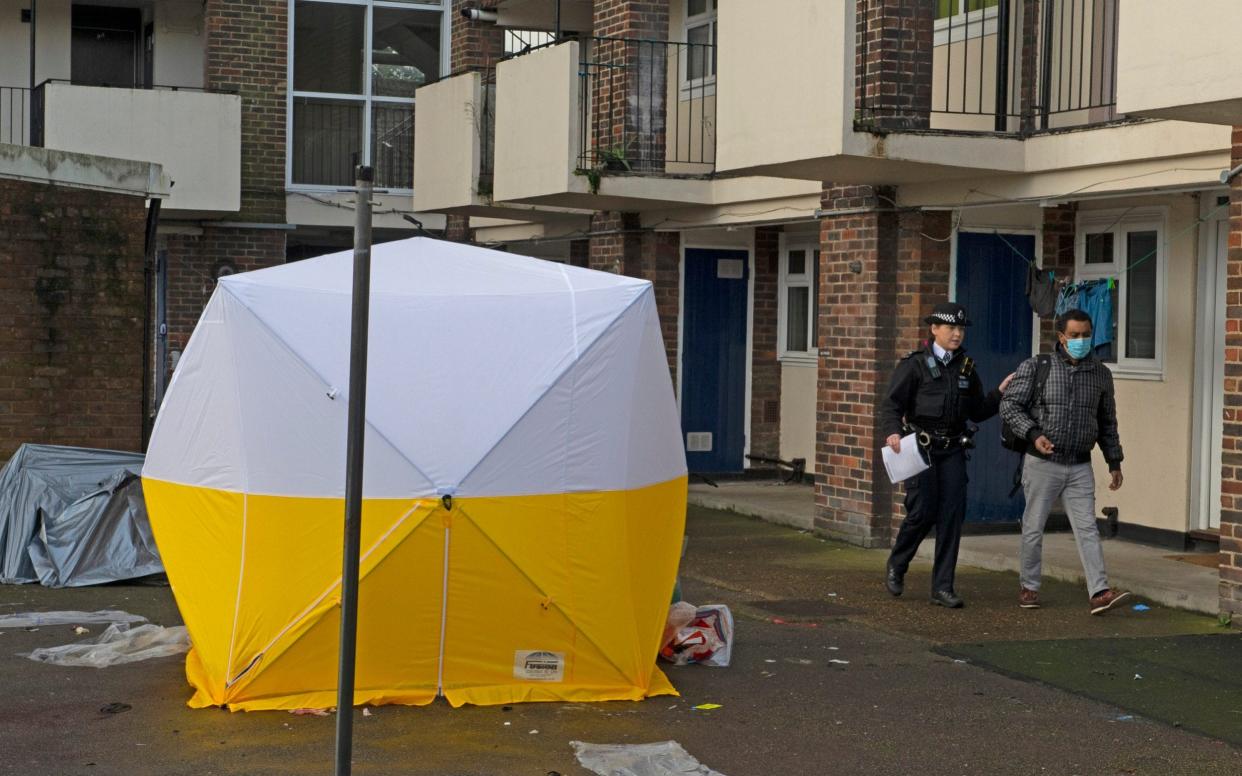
x,y
665,758
47,619
118,644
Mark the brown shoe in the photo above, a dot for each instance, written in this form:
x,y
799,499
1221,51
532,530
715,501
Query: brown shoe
x,y
1102,602
1028,599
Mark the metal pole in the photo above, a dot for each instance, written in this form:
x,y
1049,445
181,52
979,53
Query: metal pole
x,y
556,35
1002,66
33,40
353,470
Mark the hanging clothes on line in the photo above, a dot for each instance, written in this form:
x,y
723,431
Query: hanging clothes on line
x,y
1041,291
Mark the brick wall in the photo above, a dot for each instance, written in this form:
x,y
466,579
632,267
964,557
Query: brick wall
x,y
614,236
629,81
765,370
857,339
1231,441
194,261
893,63
246,47
881,270
475,45
1060,225
457,227
71,306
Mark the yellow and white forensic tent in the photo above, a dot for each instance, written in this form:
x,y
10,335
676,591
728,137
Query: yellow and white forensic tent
x,y
524,490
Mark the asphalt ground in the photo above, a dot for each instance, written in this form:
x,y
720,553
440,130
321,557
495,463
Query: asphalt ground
x,y
914,688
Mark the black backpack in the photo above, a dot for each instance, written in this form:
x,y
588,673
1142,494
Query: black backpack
x,y
1011,440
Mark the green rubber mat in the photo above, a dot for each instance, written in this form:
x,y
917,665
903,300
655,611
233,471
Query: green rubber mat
x,y
1193,682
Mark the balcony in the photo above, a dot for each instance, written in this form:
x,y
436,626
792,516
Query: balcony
x,y
1181,65
195,135
1017,93
606,124
454,143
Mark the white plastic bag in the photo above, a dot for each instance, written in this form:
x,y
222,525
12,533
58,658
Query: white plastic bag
x,y
706,639
46,619
118,644
665,758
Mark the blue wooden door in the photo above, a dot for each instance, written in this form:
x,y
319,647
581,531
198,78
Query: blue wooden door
x,y
991,283
713,361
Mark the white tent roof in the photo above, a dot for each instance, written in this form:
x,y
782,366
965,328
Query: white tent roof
x,y
488,374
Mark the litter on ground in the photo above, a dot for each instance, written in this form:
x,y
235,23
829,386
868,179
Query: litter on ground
x,y
666,758
43,619
116,645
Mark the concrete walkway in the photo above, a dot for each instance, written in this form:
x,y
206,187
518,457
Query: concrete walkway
x,y
1148,571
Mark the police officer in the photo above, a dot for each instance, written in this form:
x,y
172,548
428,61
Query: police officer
x,y
933,393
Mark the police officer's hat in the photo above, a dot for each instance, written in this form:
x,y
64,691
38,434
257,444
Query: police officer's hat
x,y
951,313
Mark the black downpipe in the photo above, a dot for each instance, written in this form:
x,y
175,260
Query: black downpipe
x,y
149,376
1002,65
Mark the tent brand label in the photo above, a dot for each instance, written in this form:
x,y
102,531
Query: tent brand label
x,y
539,666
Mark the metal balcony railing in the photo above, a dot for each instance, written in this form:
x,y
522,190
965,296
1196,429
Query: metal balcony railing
x,y
15,115
1014,66
647,106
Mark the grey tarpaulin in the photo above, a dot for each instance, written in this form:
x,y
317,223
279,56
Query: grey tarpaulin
x,y
73,516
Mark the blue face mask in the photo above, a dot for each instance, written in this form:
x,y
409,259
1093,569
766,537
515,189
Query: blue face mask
x,y
1078,348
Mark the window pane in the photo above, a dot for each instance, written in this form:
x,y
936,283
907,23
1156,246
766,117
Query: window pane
x,y
1100,248
392,145
796,319
328,47
699,53
327,141
797,263
696,7
975,5
1141,295
405,51
945,8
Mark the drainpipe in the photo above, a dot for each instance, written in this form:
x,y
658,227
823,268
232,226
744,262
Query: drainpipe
x,y
33,16
480,14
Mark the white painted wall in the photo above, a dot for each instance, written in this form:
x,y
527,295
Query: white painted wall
x,y
179,43
195,136
537,123
1155,416
447,142
1180,63
785,81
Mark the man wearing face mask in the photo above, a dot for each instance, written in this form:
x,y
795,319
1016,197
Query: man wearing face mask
x,y
933,393
1075,410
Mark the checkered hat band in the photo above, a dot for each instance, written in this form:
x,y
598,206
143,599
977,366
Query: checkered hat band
x,y
947,318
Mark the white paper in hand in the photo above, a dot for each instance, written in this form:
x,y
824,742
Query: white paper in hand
x,y
904,465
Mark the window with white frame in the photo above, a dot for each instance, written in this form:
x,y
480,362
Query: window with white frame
x,y
700,55
799,289
1120,268
947,8
354,66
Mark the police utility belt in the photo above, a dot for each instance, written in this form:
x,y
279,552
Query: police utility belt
x,y
937,442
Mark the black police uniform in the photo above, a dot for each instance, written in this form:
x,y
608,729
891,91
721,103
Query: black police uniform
x,y
936,398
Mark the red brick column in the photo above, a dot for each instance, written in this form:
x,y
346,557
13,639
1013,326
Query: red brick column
x,y
246,47
858,262
457,227
71,312
881,270
1060,228
893,63
1231,441
629,81
765,387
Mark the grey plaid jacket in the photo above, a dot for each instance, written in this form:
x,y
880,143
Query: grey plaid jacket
x,y
1078,409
